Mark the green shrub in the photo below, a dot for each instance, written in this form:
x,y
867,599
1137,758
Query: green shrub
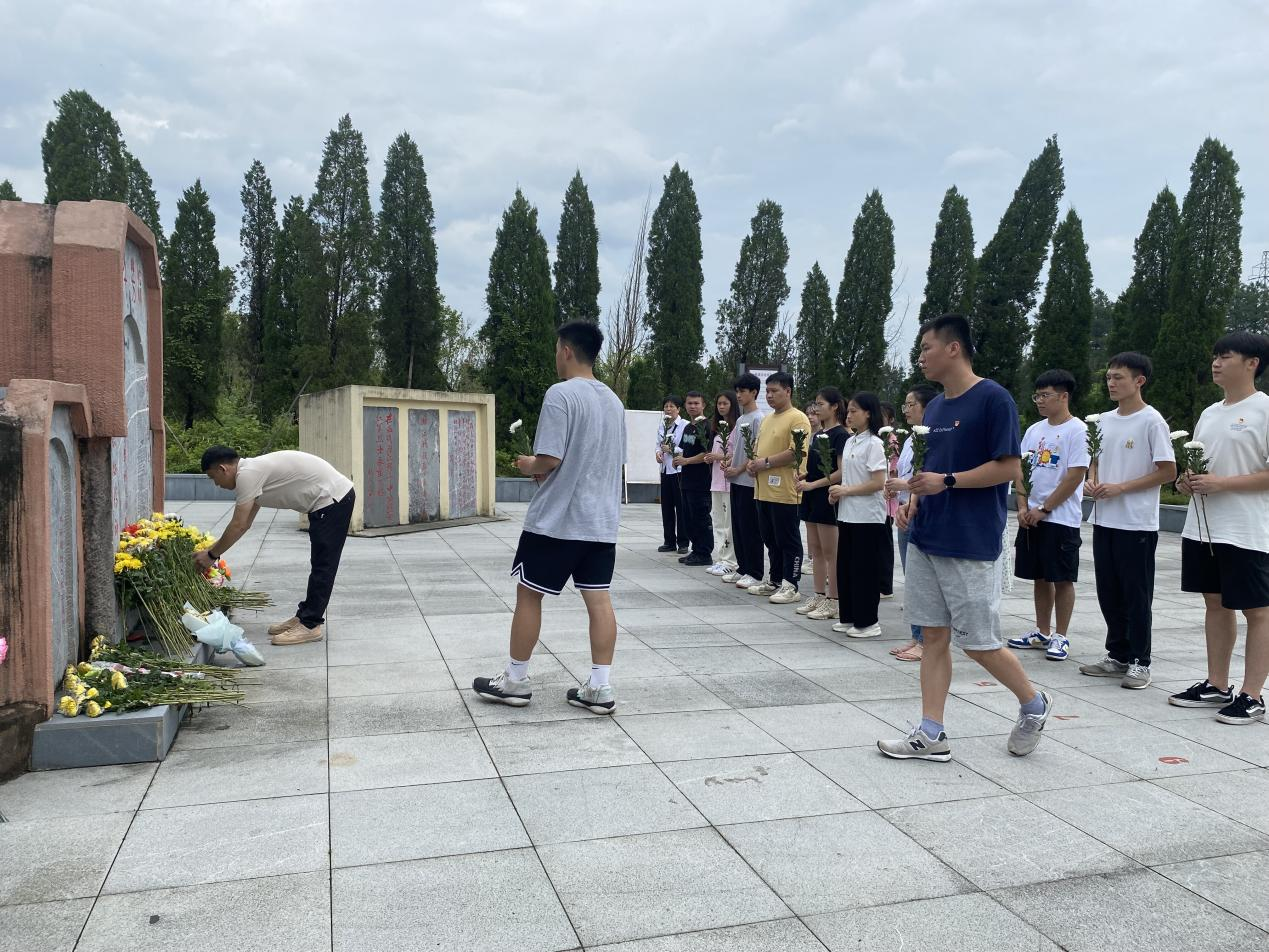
x,y
236,425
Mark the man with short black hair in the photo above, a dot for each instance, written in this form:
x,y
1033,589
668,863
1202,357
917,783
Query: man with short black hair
x,y
1225,544
745,534
570,530
288,479
694,481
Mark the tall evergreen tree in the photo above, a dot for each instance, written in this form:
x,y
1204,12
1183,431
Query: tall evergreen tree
x,y
294,339
341,208
1204,277
675,279
1099,350
195,296
864,298
258,236
83,152
7,192
1065,322
817,365
1140,308
747,318
142,200
1008,273
577,257
949,280
519,333
410,300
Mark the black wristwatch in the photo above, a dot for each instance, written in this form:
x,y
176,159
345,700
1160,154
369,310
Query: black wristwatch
x,y
213,556
950,480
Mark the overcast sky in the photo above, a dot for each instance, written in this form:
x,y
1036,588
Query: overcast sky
x,y
811,104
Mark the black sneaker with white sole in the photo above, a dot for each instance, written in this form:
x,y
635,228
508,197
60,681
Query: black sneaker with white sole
x,y
1244,709
504,690
1202,694
599,700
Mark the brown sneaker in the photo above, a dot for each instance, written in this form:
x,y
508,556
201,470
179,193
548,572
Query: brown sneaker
x,y
283,625
297,634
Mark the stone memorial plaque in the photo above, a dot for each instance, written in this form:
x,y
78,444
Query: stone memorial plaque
x,y
462,463
425,465
379,460
131,463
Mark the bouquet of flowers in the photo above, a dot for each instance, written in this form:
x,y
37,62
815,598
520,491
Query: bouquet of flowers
x,y
799,447
1094,421
519,442
1028,466
1191,458
667,434
701,426
824,447
724,431
890,441
750,440
920,434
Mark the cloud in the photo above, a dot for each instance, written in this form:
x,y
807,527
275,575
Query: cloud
x,y
977,155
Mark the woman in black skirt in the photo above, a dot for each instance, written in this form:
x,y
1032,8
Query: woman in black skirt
x,y
816,511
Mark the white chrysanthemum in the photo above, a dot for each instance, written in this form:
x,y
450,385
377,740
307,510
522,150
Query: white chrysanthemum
x,y
699,419
901,432
1093,418
884,430
1178,434
516,425
920,430
1194,445
821,436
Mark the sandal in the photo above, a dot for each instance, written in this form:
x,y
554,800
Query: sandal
x,y
903,648
912,654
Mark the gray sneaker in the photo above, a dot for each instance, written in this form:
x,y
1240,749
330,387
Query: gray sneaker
x,y
918,745
1108,667
1138,677
596,700
1026,733
504,690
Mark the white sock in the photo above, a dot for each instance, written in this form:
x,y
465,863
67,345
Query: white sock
x,y
517,670
599,675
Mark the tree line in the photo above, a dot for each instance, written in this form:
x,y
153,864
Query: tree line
x,y
333,292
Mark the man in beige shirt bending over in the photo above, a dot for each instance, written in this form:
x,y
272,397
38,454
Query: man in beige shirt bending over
x,y
287,480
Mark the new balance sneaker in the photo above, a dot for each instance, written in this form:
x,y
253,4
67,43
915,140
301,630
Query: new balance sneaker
x,y
872,631
732,577
824,612
811,604
1137,677
746,582
1059,648
1244,710
1032,639
762,588
1202,694
786,594
1026,732
596,700
504,690
718,568
918,746
1108,667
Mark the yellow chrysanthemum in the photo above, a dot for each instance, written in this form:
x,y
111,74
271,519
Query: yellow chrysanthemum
x,y
93,709
84,668
68,707
118,681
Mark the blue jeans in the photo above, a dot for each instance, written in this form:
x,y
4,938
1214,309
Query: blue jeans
x,y
903,558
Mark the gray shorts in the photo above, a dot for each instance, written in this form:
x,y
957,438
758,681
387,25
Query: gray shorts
x,y
961,594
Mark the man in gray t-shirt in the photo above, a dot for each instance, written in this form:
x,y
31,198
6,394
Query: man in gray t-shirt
x,y
570,530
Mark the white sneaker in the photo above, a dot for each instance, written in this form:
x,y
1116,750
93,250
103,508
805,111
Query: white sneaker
x,y
718,568
787,595
843,627
872,631
746,581
824,612
812,604
732,577
761,588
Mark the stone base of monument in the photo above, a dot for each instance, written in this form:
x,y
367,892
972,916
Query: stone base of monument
x,y
135,737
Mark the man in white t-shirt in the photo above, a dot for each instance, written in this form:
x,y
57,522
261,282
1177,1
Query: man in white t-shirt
x,y
1136,459
1225,544
305,483
1047,550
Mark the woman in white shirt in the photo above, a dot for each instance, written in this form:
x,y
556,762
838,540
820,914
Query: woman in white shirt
x,y
861,519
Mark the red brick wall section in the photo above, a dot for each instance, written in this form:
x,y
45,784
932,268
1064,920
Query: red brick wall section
x,y
26,316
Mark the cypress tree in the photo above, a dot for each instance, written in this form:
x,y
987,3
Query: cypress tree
x,y
1008,273
577,257
258,236
410,301
142,200
864,299
1204,276
294,340
83,153
949,280
1065,322
519,333
195,296
817,365
1099,340
341,208
674,283
747,318
1140,308
7,192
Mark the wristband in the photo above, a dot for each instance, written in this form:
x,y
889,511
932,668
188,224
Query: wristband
x,y
213,556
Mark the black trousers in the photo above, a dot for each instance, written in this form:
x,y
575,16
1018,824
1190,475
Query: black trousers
x,y
700,524
887,559
1123,562
327,531
746,538
673,518
860,571
782,535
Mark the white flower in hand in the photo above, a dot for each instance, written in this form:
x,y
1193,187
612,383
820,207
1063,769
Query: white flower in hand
x,y
699,419
1194,445
1093,418
1177,434
516,425
920,430
885,430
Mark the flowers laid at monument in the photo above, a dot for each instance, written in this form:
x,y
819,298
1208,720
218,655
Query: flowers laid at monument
x,y
155,573
119,679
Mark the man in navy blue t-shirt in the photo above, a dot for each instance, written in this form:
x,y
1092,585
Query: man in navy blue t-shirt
x,y
957,521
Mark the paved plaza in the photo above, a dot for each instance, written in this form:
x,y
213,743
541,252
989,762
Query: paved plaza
x,y
363,801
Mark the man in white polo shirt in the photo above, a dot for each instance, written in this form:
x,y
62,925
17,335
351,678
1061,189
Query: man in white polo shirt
x,y
305,483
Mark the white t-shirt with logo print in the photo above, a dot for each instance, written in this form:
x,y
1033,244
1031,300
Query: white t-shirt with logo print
x,y
863,455
1132,444
1055,451
1236,442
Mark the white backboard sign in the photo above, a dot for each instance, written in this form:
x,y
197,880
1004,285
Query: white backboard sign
x,y
641,446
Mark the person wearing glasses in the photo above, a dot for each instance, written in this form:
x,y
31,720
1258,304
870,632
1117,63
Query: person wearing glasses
x,y
1047,550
